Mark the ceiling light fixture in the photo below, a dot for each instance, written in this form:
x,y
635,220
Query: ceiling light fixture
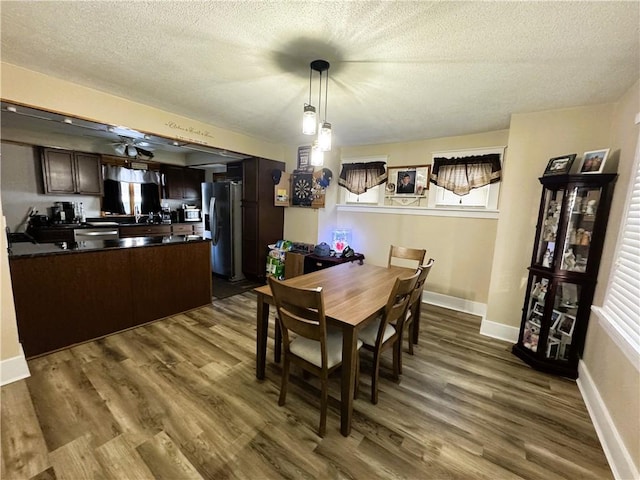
x,y
309,120
317,155
132,151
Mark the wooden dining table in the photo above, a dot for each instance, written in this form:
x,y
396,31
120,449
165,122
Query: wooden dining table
x,y
354,294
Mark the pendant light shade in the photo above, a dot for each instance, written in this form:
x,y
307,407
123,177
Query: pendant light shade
x,y
131,151
309,120
324,137
317,155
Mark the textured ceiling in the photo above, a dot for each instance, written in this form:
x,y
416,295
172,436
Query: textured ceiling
x,y
400,71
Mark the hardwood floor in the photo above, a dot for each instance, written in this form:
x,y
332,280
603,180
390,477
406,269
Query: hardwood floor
x,y
178,399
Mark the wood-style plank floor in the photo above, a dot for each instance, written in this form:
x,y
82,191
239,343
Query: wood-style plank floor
x,y
178,399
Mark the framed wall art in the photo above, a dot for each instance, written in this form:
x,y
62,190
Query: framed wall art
x,y
593,162
407,185
560,165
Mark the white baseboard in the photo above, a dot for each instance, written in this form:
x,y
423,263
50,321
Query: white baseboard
x,y
618,456
487,328
14,369
499,331
455,303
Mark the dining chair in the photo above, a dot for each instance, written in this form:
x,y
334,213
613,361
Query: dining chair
x,y
413,308
385,331
405,253
313,347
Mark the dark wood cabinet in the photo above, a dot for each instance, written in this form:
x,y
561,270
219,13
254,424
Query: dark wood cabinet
x,y
182,183
63,299
52,234
262,221
570,233
66,172
128,231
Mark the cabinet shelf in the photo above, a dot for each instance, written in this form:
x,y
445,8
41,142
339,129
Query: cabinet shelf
x,y
563,271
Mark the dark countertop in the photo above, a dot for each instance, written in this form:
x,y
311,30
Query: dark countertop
x,y
27,249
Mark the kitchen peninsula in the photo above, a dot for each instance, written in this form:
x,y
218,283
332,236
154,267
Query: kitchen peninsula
x,y
66,293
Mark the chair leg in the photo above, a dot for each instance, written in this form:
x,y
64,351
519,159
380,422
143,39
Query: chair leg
x,y
323,404
285,381
397,359
356,389
411,330
374,378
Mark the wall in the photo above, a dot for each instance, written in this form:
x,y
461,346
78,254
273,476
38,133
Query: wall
x,y
614,377
534,138
462,247
35,89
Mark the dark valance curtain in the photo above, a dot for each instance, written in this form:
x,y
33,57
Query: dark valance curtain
x,y
112,200
460,175
359,177
150,198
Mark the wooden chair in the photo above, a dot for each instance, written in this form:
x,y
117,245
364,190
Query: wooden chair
x,y
405,253
314,348
414,307
384,332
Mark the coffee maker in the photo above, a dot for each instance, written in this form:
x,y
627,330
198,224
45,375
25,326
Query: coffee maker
x,y
63,212
165,215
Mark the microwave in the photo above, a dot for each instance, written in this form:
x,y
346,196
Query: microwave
x,y
189,215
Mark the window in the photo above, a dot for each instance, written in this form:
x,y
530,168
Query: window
x,y
361,179
131,196
620,312
480,202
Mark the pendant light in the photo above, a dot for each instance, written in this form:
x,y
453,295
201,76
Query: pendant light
x,y
309,123
317,155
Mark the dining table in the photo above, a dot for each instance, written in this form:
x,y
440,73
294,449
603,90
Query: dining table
x,y
354,294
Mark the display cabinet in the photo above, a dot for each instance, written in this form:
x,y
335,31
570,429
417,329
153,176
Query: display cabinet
x,y
570,233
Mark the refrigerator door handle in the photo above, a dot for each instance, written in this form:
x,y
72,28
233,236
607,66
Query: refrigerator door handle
x,y
213,221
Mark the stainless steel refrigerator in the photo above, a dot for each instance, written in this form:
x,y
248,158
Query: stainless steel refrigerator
x,y
222,217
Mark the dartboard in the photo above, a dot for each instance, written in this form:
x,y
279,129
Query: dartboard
x,y
302,188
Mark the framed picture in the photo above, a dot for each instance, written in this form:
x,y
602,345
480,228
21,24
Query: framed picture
x,y
411,180
553,348
304,159
556,316
593,162
560,165
538,308
566,325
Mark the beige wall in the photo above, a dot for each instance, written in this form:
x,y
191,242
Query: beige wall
x,y
462,247
616,378
9,346
41,91
534,138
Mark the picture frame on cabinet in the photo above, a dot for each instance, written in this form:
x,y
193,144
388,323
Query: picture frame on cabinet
x,y
566,325
538,308
553,348
556,316
593,161
560,165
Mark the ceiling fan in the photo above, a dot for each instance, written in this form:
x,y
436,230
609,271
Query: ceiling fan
x,y
132,147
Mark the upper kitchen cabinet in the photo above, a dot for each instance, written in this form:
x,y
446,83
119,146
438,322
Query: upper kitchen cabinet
x,y
66,172
182,183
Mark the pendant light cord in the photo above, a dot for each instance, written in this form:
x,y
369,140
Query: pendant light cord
x,y
326,96
310,74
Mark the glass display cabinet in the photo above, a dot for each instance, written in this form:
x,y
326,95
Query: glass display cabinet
x,y
570,233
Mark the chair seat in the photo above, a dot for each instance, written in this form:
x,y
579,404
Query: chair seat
x,y
310,349
369,333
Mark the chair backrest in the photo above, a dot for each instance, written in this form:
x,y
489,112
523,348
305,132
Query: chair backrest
x,y
406,253
300,310
423,272
397,304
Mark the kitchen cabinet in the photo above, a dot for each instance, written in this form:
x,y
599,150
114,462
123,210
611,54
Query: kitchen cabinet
x,y
570,233
66,298
66,172
182,183
262,221
52,234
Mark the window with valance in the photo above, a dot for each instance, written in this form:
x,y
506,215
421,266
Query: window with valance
x,y
126,188
462,174
357,178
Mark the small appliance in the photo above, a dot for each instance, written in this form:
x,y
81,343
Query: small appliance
x,y
189,214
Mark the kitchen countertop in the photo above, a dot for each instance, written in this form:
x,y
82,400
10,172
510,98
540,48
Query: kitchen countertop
x,y
27,249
